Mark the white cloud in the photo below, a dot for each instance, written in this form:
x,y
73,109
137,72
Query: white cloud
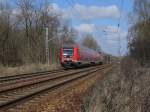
x,y
85,28
97,12
54,7
16,11
84,12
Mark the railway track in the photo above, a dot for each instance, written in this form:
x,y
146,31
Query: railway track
x,y
11,84
19,76
20,89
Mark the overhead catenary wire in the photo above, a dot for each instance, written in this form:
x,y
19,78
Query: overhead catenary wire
x,y
71,2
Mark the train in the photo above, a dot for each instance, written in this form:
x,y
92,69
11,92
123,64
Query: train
x,y
72,56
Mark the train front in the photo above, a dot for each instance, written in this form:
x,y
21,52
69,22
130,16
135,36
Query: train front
x,y
68,56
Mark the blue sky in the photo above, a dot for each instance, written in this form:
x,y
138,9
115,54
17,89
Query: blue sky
x,y
100,19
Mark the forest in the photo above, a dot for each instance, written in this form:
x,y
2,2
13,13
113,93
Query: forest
x,y
139,34
23,33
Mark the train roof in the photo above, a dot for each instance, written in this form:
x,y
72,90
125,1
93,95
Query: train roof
x,y
70,45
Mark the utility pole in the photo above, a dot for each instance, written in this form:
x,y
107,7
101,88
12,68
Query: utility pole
x,y
46,46
119,50
119,38
119,41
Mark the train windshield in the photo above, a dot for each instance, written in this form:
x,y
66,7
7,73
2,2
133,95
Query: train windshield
x,y
67,52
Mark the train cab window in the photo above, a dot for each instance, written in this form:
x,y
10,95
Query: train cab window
x,y
67,52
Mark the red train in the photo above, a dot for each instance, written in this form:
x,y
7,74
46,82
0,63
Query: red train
x,y
76,56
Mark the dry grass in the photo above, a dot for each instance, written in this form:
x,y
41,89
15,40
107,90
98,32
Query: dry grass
x,y
125,92
5,71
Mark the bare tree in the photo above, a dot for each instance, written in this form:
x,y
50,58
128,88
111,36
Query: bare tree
x,y
68,35
139,33
90,42
22,34
6,41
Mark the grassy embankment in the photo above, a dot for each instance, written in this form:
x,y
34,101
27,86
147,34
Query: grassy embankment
x,y
127,91
4,71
